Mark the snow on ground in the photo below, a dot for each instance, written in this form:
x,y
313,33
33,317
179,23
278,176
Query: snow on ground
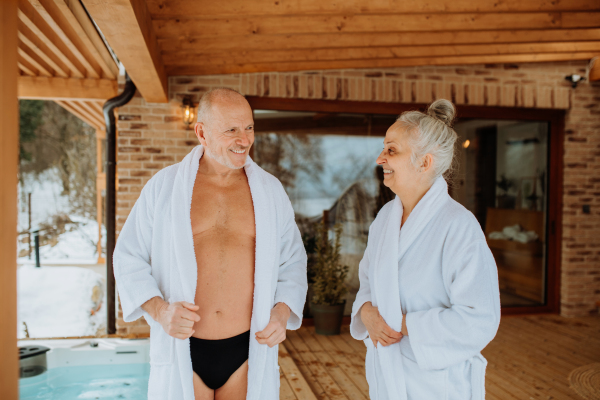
x,y
73,247
57,301
77,246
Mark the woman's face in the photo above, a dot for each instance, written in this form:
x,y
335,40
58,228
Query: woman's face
x,y
399,173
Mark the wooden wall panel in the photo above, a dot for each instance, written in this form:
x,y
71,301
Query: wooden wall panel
x,y
9,150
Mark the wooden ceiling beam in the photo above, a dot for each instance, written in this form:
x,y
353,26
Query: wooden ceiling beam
x,y
127,27
186,8
293,24
92,32
206,69
51,88
43,68
26,67
372,53
42,51
204,45
594,72
40,28
96,48
73,110
89,110
54,18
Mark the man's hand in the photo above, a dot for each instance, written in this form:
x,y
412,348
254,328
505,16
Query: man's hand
x,y
379,331
274,332
177,319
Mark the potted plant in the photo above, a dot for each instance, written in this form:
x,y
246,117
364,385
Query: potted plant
x,y
329,289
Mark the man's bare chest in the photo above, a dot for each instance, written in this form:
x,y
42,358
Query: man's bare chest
x,y
222,210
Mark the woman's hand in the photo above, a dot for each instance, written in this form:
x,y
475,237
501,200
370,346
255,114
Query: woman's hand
x,y
379,331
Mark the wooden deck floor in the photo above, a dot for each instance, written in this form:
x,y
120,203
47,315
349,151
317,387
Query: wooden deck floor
x,y
530,358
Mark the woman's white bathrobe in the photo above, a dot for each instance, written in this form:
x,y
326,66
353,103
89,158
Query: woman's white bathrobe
x,y
439,271
154,256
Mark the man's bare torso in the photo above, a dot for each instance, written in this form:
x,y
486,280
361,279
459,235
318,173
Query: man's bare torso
x,y
224,243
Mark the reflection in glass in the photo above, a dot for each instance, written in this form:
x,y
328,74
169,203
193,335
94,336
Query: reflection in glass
x,y
327,165
503,181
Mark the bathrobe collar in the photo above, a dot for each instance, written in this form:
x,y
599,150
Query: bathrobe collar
x,y
391,247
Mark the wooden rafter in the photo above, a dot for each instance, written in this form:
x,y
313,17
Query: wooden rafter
x,y
53,88
380,63
181,8
594,73
76,108
127,27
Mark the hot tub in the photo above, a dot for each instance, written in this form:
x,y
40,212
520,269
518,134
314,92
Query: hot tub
x,y
90,369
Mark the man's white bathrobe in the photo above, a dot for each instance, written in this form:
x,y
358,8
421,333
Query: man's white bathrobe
x,y
154,256
439,271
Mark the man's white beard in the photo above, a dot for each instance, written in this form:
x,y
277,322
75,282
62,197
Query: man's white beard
x,y
221,159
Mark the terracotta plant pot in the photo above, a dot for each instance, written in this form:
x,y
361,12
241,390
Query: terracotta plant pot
x,y
328,319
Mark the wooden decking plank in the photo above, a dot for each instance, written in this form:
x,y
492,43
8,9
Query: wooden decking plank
x,y
354,372
315,386
565,347
356,359
285,391
350,390
331,388
294,377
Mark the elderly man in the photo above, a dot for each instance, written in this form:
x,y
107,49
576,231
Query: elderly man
x,y
212,258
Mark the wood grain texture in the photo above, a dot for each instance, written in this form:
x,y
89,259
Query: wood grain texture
x,y
530,357
52,88
128,29
9,150
178,8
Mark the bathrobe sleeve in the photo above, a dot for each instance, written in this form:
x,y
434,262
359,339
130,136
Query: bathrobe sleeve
x,y
131,258
441,337
358,330
292,282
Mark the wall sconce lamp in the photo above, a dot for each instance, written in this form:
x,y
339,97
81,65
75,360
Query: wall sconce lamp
x,y
189,114
574,79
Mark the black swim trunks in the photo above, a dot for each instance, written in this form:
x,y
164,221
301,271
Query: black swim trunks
x,y
216,360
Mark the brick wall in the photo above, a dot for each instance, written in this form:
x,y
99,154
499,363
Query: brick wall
x,y
152,136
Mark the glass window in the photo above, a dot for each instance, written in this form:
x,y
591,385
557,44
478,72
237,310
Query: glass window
x,y
327,165
502,179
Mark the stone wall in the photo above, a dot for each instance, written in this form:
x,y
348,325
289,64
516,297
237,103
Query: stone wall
x,y
152,136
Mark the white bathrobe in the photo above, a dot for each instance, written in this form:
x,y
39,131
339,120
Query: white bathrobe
x,y
154,256
439,271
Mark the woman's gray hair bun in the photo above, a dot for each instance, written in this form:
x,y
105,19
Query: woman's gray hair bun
x,y
443,110
429,136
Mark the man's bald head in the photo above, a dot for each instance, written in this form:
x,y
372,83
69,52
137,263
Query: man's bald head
x,y
220,96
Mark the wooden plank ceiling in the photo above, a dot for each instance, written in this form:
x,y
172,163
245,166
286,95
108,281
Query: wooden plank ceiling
x,y
209,37
158,38
62,57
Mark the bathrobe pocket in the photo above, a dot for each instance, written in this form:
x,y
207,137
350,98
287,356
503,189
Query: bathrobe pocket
x,y
424,384
161,345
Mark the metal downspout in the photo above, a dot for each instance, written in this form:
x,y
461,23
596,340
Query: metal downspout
x,y
111,163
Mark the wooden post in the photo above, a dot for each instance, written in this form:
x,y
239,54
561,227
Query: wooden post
x,y
29,219
9,151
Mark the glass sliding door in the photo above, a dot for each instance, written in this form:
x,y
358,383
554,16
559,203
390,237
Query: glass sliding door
x,y
326,163
502,179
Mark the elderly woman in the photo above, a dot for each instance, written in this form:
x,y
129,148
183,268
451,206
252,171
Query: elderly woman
x,y
428,301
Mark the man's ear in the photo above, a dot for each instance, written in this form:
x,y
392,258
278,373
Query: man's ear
x,y
200,131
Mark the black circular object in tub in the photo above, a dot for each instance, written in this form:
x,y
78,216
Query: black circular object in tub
x,y
30,371
32,351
